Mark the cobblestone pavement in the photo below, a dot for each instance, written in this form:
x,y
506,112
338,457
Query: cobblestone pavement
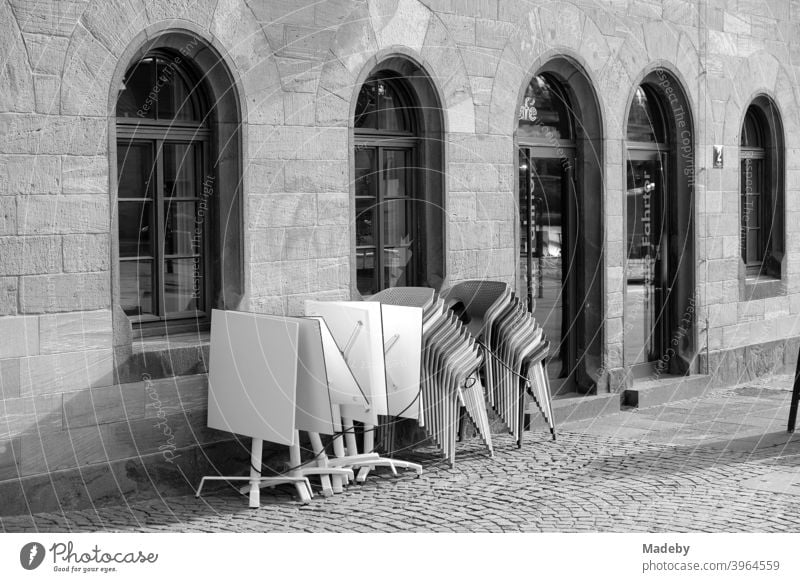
x,y
723,462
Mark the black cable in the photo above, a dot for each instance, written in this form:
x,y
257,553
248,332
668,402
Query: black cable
x,y
506,366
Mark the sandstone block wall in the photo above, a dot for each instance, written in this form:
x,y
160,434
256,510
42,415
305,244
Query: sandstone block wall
x,y
75,392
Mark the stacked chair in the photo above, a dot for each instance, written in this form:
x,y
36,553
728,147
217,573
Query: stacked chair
x,y
514,349
407,352
449,375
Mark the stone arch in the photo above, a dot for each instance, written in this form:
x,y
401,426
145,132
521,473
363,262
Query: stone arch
x,y
761,73
16,80
375,31
430,154
575,36
222,88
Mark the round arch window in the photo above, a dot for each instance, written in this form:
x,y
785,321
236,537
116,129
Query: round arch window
x,y
389,203
164,180
761,190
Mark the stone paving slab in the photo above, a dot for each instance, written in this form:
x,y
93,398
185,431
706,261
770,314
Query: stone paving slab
x,y
705,465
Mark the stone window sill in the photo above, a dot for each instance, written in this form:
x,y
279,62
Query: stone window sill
x,y
761,287
164,357
176,341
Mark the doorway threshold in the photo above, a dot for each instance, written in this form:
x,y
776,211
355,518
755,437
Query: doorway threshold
x,y
666,388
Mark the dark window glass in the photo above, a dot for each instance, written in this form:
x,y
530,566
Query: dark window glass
x,y
757,204
157,88
645,121
752,135
135,168
381,106
165,191
544,113
386,209
136,287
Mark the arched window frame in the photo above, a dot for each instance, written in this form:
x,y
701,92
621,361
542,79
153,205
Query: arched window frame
x,y
160,134
381,141
761,190
578,145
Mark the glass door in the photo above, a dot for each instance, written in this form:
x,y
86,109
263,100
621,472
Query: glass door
x,y
646,274
548,225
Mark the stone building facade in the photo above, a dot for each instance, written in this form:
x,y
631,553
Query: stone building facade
x,y
252,188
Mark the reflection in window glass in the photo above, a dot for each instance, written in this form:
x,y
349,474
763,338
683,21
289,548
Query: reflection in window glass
x,y
381,107
156,88
165,191
135,169
544,113
180,170
136,287
183,279
135,229
645,122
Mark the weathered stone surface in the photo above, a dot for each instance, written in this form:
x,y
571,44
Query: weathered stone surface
x,y
299,108
298,75
403,22
84,174
30,415
331,109
10,451
461,206
479,148
19,336
50,134
266,245
322,176
8,296
355,41
333,208
266,176
282,210
481,61
48,18
9,378
63,214
103,405
199,11
8,215
315,242
175,395
88,68
30,255
761,360
68,372
299,143
16,87
115,28
480,177
67,292
72,332
86,252
48,93
28,174
284,11
46,52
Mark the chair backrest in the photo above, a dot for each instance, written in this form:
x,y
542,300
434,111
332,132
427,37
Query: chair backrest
x,y
408,296
477,296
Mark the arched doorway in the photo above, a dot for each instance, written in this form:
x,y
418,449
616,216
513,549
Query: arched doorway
x,y
659,244
399,218
560,194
